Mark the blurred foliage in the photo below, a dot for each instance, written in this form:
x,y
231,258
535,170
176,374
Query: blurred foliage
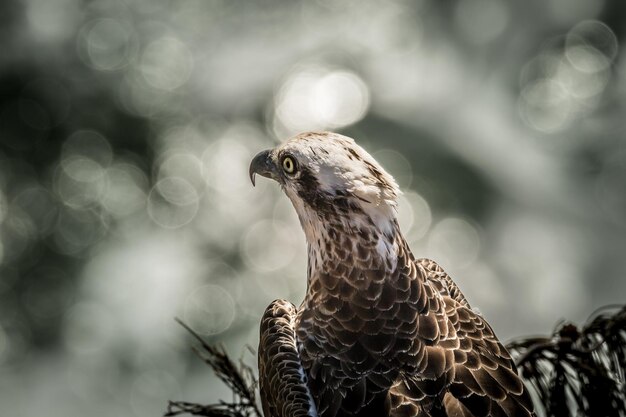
x,y
126,129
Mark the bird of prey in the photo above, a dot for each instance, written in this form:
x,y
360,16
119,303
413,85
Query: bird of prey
x,y
379,333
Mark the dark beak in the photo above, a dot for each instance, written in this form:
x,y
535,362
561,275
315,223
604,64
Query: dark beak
x,y
263,165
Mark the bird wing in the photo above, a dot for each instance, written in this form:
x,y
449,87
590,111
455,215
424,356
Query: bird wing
x,y
441,280
484,379
282,381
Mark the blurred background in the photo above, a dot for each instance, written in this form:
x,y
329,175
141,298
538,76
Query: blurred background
x,y
127,127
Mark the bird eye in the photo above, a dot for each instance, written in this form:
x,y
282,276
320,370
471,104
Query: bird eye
x,y
289,165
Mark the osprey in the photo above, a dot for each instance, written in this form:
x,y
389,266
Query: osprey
x,y
379,333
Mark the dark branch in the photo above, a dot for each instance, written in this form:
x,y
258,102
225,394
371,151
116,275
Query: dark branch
x,y
240,380
578,371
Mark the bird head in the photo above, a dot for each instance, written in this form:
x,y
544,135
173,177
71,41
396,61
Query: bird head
x,y
331,181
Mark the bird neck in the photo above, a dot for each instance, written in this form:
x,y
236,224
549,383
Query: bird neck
x,y
354,244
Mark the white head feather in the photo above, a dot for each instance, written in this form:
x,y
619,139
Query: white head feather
x,y
341,166
338,183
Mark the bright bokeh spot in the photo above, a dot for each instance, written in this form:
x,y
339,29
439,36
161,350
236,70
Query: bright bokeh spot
x,y
318,98
225,166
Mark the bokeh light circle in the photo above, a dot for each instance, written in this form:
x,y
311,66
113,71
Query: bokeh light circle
x,y
173,202
209,310
106,44
78,229
545,105
41,207
591,46
269,245
79,182
183,165
88,144
318,98
125,193
20,230
166,63
455,242
566,81
414,215
225,166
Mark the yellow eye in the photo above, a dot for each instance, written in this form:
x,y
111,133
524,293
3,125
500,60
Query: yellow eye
x,y
289,165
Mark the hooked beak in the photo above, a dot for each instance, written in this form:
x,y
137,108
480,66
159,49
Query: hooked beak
x,y
263,165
